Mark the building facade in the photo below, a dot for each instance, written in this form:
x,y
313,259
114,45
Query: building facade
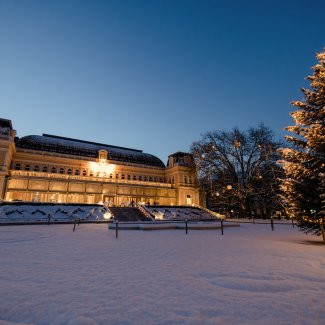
x,y
51,168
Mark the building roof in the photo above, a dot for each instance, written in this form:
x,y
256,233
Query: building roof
x,y
62,145
5,123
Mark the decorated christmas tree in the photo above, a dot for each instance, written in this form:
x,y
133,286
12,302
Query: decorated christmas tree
x,y
304,161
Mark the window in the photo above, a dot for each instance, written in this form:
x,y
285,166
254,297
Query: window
x,y
150,179
77,172
61,171
145,178
140,178
160,180
134,177
185,179
91,173
36,168
129,177
27,167
45,169
18,166
84,173
111,176
123,176
69,171
53,170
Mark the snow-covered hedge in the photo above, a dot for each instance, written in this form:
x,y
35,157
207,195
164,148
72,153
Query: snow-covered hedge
x,y
34,213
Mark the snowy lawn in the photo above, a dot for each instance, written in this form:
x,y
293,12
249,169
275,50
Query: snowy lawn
x,y
251,275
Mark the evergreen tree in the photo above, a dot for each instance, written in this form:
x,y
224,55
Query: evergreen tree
x,y
304,162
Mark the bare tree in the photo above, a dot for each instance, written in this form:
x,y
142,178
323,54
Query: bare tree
x,y
238,170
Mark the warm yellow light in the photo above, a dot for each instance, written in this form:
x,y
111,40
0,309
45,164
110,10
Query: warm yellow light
x,y
107,215
101,168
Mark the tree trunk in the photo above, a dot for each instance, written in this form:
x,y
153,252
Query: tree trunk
x,y
322,229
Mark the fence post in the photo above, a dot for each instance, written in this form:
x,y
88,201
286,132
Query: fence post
x,y
272,225
293,224
48,219
186,226
74,226
116,229
221,226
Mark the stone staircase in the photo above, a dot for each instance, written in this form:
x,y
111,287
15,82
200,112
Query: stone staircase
x,y
128,214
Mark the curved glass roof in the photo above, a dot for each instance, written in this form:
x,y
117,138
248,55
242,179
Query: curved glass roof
x,y
62,145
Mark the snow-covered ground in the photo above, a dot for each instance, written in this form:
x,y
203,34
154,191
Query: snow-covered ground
x,y
251,275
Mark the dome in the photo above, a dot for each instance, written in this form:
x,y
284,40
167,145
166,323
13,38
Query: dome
x,y
62,145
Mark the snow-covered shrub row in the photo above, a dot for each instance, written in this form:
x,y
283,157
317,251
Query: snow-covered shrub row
x,y
179,213
24,213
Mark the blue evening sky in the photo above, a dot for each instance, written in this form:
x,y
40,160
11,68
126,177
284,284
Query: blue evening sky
x,y
154,75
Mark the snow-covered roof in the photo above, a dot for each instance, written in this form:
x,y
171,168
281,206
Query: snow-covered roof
x,y
62,145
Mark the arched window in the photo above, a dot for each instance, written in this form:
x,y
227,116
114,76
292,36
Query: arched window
x,y
134,177
27,167
150,179
145,178
116,176
140,178
123,176
129,177
91,173
61,171
36,168
111,176
45,169
17,166
77,172
53,170
84,173
69,171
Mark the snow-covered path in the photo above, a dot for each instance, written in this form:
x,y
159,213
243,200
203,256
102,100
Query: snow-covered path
x,y
251,275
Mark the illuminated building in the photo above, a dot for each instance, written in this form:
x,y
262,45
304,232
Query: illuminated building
x,y
51,168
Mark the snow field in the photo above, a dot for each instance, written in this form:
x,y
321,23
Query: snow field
x,y
251,275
